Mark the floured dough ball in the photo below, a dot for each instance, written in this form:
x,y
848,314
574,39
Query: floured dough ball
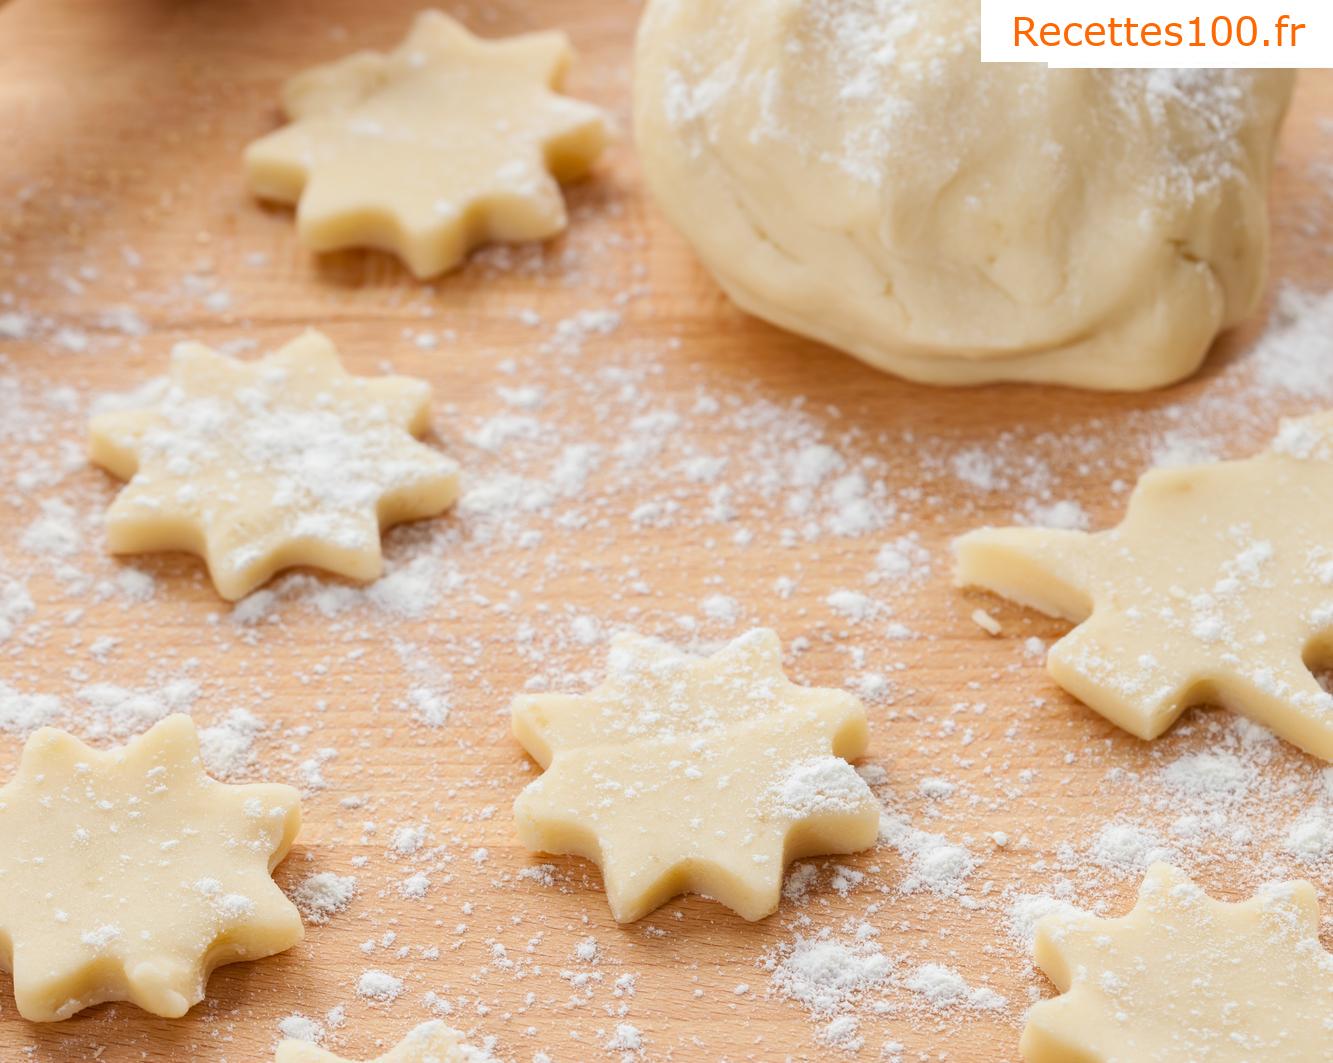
x,y
850,170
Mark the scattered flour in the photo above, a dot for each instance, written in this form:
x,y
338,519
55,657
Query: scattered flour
x,y
55,533
852,605
16,606
903,561
1128,848
826,976
728,468
626,1038
227,747
379,986
21,714
1311,837
1027,910
323,895
1066,514
1291,357
407,840
298,1027
721,608
820,786
1219,775
934,863
943,987
111,711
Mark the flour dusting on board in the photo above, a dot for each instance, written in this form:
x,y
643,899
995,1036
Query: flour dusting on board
x,y
625,474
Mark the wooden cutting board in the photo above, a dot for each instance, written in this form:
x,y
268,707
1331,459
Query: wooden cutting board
x,y
126,228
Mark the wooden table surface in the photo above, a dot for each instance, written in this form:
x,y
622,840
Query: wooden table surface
x,y
638,454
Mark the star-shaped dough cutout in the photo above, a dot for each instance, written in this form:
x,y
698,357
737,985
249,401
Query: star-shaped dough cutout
x,y
445,143
259,466
129,874
703,775
431,1042
1217,588
1184,978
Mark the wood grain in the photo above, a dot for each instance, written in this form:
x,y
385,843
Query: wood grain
x,y
120,179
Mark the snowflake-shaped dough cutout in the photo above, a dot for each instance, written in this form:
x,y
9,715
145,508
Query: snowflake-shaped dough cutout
x,y
1217,588
129,874
703,775
259,466
431,1042
445,143
1184,978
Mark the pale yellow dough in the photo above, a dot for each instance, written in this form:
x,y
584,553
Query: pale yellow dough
x,y
431,1042
259,466
1217,588
1184,978
130,875
851,170
702,775
444,143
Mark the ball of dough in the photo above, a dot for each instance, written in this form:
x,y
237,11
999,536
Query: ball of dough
x,y
850,170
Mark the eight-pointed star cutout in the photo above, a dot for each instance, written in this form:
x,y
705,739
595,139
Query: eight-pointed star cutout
x,y
258,466
445,143
1216,589
129,874
686,774
431,1042
1184,978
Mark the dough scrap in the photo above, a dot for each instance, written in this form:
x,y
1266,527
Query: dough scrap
x,y
686,774
1184,977
445,143
1217,588
259,466
130,875
431,1042
850,170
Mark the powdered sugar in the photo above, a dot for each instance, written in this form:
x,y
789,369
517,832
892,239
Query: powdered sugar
x,y
379,986
16,606
826,975
1028,909
227,747
1128,848
1291,357
819,786
934,863
110,710
323,895
1216,775
1311,837
943,988
22,713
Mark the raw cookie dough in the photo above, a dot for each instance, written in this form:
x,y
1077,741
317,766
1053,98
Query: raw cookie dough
x,y
130,874
1217,588
1186,979
702,775
431,1042
445,143
849,170
259,466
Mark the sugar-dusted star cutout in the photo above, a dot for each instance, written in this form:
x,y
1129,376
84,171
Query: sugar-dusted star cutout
x,y
1217,588
129,874
259,466
702,775
431,1042
1184,978
447,142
